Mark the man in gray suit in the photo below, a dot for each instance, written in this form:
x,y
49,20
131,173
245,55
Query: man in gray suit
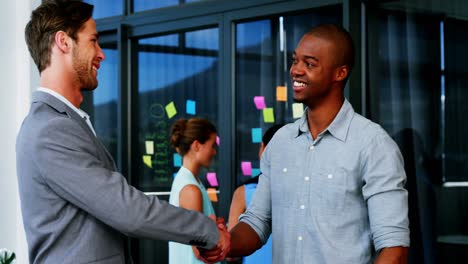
x,y
76,207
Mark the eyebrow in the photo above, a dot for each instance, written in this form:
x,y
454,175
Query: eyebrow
x,y
307,56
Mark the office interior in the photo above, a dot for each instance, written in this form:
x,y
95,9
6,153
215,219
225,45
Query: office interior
x,y
211,58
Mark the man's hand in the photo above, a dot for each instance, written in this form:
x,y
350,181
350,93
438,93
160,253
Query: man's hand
x,y
220,251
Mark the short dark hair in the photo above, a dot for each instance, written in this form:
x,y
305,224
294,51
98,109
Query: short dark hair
x,y
270,133
49,18
185,131
342,40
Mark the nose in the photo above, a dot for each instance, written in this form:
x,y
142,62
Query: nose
x,y
296,70
100,53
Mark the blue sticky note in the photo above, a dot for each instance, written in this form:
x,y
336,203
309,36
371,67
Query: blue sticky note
x,y
255,172
256,135
191,107
177,160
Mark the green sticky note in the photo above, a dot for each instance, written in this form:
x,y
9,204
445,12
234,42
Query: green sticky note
x,y
171,110
147,161
268,115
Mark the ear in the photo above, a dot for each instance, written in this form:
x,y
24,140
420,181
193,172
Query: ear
x,y
195,145
341,73
63,41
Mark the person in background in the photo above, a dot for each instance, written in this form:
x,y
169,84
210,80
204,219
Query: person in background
x,y
332,184
76,206
195,140
241,199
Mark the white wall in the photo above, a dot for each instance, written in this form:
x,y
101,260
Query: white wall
x,y
18,77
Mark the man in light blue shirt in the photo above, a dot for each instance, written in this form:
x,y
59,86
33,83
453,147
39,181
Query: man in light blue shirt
x,y
332,184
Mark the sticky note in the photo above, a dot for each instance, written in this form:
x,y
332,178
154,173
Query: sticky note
x,y
149,146
268,115
171,110
212,194
191,107
298,110
212,180
255,172
217,140
256,135
177,160
281,94
147,161
246,167
259,102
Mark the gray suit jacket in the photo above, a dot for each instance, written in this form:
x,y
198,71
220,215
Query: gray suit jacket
x,y
76,207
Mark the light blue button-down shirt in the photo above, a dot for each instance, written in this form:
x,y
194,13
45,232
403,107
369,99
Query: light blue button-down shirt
x,y
336,199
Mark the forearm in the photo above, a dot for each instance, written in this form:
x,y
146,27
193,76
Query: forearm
x,y
393,255
244,240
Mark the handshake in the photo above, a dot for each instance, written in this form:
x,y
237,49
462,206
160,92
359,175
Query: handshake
x,y
220,251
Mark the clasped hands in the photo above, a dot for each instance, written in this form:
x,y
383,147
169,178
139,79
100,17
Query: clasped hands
x,y
218,252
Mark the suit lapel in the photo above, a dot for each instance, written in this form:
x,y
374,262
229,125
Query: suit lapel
x,y
61,107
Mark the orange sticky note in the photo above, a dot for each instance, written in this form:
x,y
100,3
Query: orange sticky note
x,y
212,194
281,94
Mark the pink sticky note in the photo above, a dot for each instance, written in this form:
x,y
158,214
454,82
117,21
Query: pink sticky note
x,y
217,140
259,102
246,167
211,177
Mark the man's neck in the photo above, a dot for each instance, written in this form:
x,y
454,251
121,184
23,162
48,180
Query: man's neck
x,y
320,117
61,85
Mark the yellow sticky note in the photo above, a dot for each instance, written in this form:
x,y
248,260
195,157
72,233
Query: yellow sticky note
x,y
298,110
171,110
281,94
147,161
268,115
212,194
149,146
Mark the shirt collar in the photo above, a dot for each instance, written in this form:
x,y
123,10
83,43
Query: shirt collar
x,y
80,112
339,126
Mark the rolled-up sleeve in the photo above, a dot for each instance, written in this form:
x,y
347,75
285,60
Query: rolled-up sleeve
x,y
384,192
258,213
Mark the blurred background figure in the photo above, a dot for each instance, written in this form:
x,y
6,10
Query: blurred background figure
x,y
195,140
241,199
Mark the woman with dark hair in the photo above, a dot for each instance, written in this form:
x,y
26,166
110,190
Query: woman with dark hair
x,y
195,140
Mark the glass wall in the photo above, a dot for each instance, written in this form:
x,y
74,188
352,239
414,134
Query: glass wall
x,y
229,62
142,5
106,8
102,103
417,84
177,78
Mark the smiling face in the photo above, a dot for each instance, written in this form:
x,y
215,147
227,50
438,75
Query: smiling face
x,y
87,55
313,70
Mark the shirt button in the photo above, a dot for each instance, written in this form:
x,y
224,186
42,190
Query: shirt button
x,y
302,206
330,176
299,238
285,169
306,178
311,147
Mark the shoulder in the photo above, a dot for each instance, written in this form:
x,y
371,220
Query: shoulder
x,y
367,130
191,190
